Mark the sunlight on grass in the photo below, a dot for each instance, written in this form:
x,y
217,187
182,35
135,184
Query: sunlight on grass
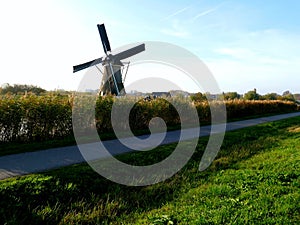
x,y
255,179
294,129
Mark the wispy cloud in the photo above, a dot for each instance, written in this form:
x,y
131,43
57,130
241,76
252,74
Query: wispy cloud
x,y
177,30
251,60
176,13
206,12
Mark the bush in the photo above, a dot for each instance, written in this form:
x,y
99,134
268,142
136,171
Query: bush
x,y
38,118
34,118
246,108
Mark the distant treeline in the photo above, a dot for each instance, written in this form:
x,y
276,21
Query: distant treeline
x,y
23,89
250,95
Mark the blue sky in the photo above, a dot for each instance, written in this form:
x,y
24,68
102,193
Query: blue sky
x,y
246,44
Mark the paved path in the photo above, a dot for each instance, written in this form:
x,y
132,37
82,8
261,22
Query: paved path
x,y
31,162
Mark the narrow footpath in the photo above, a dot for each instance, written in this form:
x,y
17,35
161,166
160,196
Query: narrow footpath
x,y
38,161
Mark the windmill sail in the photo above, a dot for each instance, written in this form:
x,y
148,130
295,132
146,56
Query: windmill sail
x,y
104,38
86,65
112,82
130,52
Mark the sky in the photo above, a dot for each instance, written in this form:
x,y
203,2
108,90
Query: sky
x,y
245,44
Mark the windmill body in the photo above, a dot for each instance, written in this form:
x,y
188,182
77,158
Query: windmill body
x,y
112,82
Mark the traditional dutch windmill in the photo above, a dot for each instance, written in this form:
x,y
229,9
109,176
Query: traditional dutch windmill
x,y
112,82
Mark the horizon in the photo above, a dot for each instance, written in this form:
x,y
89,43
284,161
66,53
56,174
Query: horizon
x,y
131,92
245,45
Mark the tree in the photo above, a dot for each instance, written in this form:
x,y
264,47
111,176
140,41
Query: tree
x,y
198,97
286,93
231,95
252,95
288,96
21,89
297,97
271,96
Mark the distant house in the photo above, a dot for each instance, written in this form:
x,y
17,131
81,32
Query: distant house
x,y
161,94
135,93
176,93
213,97
91,90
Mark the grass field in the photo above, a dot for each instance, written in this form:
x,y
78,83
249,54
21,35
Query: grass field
x,y
255,179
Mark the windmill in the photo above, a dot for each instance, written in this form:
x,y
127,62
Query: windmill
x,y
112,82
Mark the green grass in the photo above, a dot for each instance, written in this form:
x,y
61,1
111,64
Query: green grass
x,y
255,179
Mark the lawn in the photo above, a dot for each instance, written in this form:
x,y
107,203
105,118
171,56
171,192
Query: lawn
x,y
255,179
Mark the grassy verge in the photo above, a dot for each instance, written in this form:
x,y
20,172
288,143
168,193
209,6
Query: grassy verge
x,y
255,179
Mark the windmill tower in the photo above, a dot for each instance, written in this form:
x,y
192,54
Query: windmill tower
x,y
112,82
